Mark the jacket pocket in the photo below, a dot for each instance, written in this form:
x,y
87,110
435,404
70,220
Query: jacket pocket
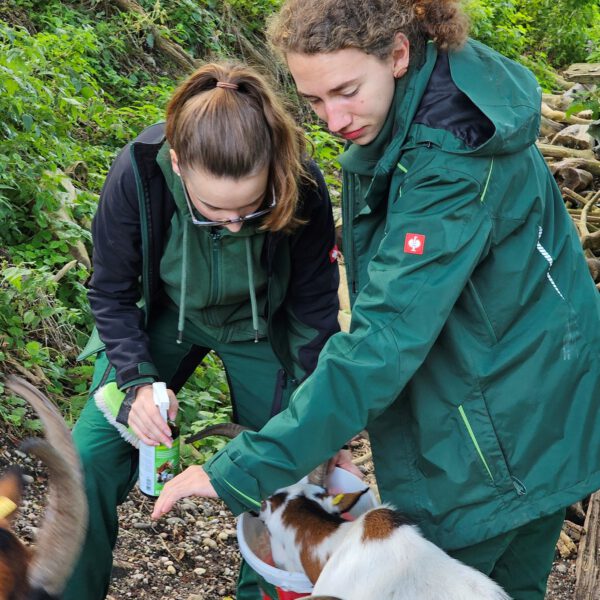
x,y
479,308
467,424
280,386
481,434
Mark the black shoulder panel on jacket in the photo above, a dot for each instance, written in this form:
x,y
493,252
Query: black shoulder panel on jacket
x,y
444,106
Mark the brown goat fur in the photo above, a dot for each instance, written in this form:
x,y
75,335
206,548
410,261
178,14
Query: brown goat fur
x,y
380,524
58,541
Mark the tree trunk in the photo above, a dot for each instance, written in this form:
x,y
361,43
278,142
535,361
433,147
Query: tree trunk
x,y
562,152
583,73
588,560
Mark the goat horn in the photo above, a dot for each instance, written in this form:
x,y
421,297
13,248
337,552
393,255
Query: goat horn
x,y
231,430
228,430
65,521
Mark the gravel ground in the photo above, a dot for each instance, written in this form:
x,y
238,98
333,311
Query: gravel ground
x,y
192,554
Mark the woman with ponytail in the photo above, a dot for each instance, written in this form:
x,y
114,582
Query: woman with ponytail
x,y
472,357
213,232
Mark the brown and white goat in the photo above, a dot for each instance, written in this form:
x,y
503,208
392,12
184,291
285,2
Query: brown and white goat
x,y
378,556
42,575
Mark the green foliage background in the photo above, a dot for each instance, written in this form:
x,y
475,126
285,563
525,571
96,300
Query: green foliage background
x,y
79,79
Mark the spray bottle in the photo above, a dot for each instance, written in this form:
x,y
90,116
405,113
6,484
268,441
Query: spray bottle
x,y
159,464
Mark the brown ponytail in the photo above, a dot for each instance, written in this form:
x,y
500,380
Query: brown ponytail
x,y
235,131
320,26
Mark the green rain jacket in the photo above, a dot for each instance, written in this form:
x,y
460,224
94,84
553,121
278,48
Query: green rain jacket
x,y
473,355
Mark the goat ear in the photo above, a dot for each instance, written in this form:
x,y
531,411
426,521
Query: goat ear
x,y
345,502
11,487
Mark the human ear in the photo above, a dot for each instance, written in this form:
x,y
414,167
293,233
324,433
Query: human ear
x,y
400,55
174,162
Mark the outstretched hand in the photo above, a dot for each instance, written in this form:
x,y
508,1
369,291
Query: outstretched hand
x,y
192,482
343,460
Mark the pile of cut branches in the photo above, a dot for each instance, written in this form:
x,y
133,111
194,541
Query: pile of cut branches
x,y
570,143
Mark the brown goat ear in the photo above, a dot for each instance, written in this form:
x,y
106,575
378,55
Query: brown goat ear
x,y
11,486
345,502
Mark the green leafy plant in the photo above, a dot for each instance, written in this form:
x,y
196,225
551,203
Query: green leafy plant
x,y
325,149
204,401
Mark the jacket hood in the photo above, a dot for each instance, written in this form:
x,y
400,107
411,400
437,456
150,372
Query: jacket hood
x,y
447,104
470,101
507,94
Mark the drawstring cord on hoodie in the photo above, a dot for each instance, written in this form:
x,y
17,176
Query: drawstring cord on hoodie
x,y
252,290
183,288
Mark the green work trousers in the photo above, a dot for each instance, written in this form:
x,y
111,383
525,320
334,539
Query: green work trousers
x,y
258,387
520,560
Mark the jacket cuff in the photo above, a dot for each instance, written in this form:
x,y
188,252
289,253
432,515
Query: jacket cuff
x,y
138,374
138,383
235,487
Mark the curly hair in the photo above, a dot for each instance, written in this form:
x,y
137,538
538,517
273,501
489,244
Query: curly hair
x,y
318,26
235,132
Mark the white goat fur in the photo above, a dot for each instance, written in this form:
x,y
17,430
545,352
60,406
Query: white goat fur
x,y
402,566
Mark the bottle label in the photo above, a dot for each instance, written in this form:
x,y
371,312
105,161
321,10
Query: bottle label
x,y
158,464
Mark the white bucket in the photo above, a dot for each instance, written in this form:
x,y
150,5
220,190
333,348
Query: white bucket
x,y
255,545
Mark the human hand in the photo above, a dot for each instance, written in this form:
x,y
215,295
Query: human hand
x,y
145,420
192,482
343,460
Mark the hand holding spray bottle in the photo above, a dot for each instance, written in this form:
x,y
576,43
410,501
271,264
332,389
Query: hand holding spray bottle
x,y
159,464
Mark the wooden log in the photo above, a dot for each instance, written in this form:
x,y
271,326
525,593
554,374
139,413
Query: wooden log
x,y
572,178
594,267
591,243
565,545
558,115
573,530
593,220
587,568
549,128
562,152
557,101
574,136
583,73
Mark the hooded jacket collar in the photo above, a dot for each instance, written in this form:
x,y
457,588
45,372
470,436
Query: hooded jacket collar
x,y
513,117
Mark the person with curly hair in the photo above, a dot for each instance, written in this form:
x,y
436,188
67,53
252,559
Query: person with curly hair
x,y
472,357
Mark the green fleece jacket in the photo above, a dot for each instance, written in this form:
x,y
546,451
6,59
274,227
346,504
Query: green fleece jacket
x,y
212,274
474,352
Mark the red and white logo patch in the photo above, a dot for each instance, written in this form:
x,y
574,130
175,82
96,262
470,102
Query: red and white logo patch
x,y
334,254
414,243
